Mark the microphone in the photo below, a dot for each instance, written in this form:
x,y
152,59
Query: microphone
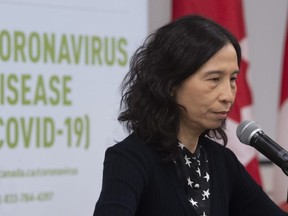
x,y
250,133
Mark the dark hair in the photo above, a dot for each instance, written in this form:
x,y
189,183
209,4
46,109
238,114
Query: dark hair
x,y
166,58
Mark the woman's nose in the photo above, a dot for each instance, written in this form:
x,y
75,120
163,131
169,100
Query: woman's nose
x,y
228,92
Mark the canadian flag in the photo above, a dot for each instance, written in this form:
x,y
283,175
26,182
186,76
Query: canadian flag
x,y
230,15
280,189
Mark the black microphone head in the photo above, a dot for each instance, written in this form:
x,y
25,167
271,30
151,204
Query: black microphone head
x,y
246,130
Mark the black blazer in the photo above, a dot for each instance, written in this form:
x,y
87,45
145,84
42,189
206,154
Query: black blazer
x,y
137,182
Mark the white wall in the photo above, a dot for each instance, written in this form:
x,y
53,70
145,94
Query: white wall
x,y
266,22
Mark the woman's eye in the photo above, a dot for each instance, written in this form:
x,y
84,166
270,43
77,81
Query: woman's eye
x,y
215,79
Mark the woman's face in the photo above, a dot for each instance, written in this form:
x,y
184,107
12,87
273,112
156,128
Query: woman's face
x,y
208,94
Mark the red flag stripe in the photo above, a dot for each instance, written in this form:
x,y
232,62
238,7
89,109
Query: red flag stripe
x,y
214,10
251,167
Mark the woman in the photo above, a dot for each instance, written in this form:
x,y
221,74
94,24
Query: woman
x,y
176,97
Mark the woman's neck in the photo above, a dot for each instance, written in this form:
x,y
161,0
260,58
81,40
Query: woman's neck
x,y
189,139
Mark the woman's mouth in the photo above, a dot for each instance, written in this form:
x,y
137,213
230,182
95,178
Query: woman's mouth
x,y
221,115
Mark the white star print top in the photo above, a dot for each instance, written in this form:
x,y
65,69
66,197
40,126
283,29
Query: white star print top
x,y
194,167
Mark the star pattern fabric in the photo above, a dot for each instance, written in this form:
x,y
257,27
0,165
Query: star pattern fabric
x,y
196,173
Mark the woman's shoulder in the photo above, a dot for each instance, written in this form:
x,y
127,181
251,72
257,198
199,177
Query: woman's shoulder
x,y
132,142
132,147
